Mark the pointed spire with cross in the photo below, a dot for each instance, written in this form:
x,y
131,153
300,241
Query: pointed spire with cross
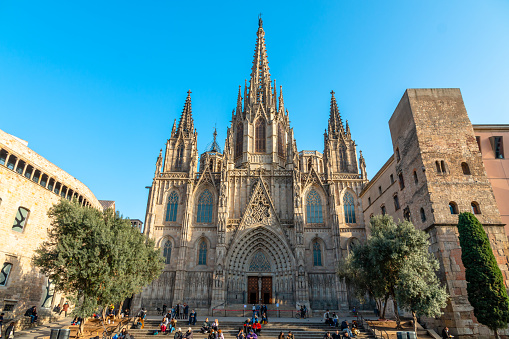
x,y
186,122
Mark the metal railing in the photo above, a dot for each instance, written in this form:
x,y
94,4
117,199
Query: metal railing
x,y
277,313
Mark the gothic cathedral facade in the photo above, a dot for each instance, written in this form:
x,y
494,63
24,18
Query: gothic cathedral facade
x,y
259,221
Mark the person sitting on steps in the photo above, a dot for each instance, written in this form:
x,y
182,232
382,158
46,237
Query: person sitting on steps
x,y
206,326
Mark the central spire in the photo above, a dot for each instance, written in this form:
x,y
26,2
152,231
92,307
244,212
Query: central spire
x,y
260,76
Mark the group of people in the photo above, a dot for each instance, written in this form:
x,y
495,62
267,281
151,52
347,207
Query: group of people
x,y
62,309
347,330
178,311
212,329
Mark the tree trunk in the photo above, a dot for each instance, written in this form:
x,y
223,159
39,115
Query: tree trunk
x,y
496,334
385,306
415,322
396,313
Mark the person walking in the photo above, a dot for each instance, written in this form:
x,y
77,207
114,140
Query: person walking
x,y
65,308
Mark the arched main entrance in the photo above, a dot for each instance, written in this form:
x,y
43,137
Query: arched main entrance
x,y
260,268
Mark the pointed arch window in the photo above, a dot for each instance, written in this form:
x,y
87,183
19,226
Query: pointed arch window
x,y
167,252
180,157
314,208
342,159
239,142
280,141
349,205
202,253
260,136
204,212
317,253
171,209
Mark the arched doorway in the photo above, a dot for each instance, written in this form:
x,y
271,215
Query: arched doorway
x,y
260,268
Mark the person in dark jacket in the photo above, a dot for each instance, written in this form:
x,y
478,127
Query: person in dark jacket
x,y
189,334
192,318
445,333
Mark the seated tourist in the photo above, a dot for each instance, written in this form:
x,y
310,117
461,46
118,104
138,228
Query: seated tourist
x,y
206,326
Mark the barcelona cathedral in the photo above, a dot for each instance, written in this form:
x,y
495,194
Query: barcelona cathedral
x,y
259,221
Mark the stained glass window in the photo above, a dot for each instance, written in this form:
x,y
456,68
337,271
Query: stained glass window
x,y
21,219
180,157
314,208
202,255
260,136
167,252
259,263
239,143
349,208
317,254
171,210
204,213
4,274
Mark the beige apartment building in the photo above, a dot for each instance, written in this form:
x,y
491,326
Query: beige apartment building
x,y
29,186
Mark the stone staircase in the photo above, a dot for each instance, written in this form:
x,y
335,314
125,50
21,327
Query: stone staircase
x,y
231,328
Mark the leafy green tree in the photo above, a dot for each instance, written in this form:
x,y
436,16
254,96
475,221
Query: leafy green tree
x,y
96,258
419,289
356,270
392,256
485,284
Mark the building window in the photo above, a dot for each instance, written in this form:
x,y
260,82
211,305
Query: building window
x,y
310,164
44,180
28,171
239,145
382,209
20,167
3,156
180,157
57,188
167,252
369,200
280,141
396,202
4,274
416,179
498,147
392,178
440,167
478,139
342,159
349,208
204,207
475,208
202,254
51,184
401,181
398,158
380,190
11,162
406,214
453,207
317,254
423,215
21,219
260,136
171,209
314,208
465,168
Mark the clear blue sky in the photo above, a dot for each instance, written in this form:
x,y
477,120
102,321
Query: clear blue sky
x,y
94,86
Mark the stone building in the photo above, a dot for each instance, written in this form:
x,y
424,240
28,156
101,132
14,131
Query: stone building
x,y
493,142
258,221
435,173
29,186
